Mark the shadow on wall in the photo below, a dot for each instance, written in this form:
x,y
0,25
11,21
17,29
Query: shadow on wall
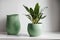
x,y
54,16
2,23
59,15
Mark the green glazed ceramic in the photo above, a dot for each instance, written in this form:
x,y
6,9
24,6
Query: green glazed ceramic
x,y
13,24
34,29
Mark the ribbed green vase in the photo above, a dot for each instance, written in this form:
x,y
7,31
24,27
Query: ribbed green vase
x,y
34,29
13,24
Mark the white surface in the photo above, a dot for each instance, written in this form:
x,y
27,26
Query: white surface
x,y
51,22
25,36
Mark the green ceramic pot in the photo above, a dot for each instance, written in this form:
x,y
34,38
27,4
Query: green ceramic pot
x,y
13,24
34,29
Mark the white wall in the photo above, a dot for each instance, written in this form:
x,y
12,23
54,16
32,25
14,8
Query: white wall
x,y
51,22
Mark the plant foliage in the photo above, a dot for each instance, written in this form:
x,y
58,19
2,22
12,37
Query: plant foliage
x,y
35,14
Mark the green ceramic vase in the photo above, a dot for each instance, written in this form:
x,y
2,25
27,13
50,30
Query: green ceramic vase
x,y
13,24
34,29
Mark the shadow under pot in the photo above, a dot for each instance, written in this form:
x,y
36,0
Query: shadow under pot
x,y
13,24
34,29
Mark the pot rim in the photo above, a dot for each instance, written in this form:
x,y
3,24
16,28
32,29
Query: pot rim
x,y
33,24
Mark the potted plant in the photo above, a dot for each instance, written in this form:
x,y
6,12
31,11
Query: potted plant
x,y
35,15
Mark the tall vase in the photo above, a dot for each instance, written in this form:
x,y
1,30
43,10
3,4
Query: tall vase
x,y
13,24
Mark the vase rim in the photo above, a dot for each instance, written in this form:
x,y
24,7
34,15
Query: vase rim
x,y
13,15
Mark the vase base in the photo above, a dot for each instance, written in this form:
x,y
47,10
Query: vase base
x,y
11,34
34,35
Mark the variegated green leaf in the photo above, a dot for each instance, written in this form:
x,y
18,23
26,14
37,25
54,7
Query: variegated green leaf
x,y
39,23
43,9
43,17
36,9
32,12
26,8
29,17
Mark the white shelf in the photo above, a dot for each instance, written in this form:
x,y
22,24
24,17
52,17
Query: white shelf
x,y
24,36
